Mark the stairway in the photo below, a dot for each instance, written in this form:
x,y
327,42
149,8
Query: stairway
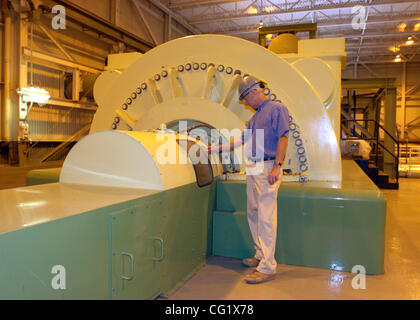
x,y
352,129
381,179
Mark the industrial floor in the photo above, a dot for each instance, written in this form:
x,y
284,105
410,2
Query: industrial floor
x,y
223,278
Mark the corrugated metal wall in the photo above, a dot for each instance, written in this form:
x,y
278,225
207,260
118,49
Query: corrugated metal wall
x,y
55,123
52,123
1,71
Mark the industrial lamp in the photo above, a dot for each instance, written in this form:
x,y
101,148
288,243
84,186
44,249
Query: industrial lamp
x,y
394,48
33,94
409,41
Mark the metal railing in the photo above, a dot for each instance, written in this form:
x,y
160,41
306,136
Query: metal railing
x,y
375,139
410,160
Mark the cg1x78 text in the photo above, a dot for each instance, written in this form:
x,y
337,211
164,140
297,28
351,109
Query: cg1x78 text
x,y
241,309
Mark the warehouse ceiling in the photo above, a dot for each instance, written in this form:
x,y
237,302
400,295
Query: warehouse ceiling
x,y
388,23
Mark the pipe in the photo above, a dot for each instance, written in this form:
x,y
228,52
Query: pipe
x,y
7,112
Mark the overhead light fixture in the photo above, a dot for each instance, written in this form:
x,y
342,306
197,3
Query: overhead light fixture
x,y
394,48
261,24
409,41
269,9
252,10
401,27
397,58
32,94
417,26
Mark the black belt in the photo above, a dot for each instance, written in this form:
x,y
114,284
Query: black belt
x,y
265,159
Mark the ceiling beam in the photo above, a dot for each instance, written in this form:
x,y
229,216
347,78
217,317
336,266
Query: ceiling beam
x,y
293,9
377,61
200,3
145,22
178,18
371,54
158,15
333,23
383,44
384,33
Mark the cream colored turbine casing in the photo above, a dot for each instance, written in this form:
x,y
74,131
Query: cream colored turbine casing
x,y
130,160
162,86
320,75
321,62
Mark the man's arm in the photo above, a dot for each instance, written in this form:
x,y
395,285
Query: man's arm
x,y
280,155
232,144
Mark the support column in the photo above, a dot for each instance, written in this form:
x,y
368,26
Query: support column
x,y
261,40
76,85
390,126
10,118
403,106
371,115
24,130
7,110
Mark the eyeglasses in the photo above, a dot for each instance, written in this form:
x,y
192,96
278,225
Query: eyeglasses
x,y
245,94
247,91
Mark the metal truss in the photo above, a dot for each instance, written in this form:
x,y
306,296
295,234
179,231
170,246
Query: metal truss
x,y
220,11
334,18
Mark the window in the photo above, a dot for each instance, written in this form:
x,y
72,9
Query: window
x,y
203,171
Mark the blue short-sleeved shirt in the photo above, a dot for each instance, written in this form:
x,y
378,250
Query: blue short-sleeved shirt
x,y
273,118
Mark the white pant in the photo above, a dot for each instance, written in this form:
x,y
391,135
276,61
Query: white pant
x,y
262,216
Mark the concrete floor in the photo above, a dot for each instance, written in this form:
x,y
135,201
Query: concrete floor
x,y
223,278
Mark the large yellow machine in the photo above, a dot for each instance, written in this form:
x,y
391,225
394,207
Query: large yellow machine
x,y
196,79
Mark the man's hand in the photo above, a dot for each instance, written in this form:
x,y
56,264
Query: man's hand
x,y
274,174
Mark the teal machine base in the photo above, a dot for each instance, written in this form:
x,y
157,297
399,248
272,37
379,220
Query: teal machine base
x,y
320,224
150,244
140,248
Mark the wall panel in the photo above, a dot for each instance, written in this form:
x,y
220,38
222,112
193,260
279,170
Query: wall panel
x,y
52,123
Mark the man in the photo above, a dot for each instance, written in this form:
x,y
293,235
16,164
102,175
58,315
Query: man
x,y
262,185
